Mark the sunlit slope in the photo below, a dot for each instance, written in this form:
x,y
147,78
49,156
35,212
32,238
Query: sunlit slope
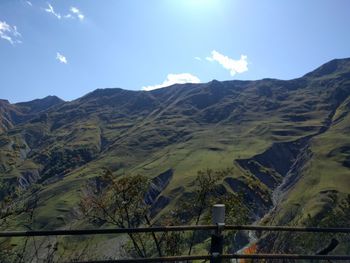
x,y
320,195
325,179
184,128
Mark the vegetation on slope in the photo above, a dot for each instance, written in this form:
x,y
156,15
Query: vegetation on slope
x,y
264,131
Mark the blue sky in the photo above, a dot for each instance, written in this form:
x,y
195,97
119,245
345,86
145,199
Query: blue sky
x,y
71,47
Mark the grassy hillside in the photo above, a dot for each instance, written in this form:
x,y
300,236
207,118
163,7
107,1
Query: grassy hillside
x,y
265,131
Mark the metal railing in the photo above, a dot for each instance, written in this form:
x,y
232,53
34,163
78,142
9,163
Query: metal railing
x,y
216,252
104,231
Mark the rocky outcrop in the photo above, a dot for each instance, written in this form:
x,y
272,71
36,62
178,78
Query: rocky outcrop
x,y
271,166
293,174
158,184
28,178
252,197
159,204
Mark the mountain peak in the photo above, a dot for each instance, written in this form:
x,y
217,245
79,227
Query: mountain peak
x,y
2,101
334,66
107,92
38,105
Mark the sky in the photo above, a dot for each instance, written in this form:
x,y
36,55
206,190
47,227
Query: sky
x,y
68,48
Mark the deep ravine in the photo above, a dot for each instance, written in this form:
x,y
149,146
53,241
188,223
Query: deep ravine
x,y
289,180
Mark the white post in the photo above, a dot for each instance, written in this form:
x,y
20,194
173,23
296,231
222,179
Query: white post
x,y
217,240
218,214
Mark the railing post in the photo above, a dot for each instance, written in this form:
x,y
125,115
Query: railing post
x,y
217,240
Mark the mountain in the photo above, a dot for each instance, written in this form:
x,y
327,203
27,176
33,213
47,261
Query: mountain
x,y
13,114
286,143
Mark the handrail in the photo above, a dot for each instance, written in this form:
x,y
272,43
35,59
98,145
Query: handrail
x,y
226,256
216,251
32,233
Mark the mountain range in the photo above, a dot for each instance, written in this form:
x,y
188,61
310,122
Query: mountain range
x,y
286,143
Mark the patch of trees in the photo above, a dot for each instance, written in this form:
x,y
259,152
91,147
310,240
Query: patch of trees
x,y
121,202
63,161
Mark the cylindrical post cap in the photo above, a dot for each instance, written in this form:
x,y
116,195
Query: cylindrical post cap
x,y
218,214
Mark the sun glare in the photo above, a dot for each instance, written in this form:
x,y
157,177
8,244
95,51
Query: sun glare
x,y
201,3
198,5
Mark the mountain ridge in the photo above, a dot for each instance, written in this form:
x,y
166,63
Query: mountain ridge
x,y
244,126
329,64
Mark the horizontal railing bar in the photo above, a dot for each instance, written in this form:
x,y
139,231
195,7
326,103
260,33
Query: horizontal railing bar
x,y
104,231
228,256
32,233
289,229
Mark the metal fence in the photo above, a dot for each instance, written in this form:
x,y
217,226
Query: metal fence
x,y
216,251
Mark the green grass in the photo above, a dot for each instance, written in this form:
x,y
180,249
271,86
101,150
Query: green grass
x,y
324,172
185,130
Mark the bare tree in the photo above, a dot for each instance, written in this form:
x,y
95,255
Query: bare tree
x,y
120,202
205,186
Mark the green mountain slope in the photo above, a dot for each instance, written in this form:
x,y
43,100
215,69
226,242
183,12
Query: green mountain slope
x,y
286,142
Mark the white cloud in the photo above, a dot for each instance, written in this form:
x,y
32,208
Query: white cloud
x,y
61,58
52,11
9,33
174,79
198,58
75,11
29,3
234,66
15,32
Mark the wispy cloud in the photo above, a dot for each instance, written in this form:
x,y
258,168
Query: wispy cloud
x,y
61,58
198,58
234,66
9,33
75,11
174,79
29,3
50,10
